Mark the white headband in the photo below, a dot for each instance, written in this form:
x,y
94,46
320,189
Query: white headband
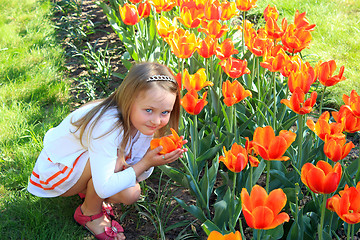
x,y
160,78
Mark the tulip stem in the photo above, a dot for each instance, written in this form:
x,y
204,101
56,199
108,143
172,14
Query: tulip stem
x,y
300,140
195,137
348,232
243,32
258,234
322,217
234,185
274,89
267,175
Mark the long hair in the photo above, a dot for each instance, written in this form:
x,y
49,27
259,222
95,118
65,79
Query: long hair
x,y
124,96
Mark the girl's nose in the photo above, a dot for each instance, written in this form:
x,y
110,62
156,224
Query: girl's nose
x,y
156,120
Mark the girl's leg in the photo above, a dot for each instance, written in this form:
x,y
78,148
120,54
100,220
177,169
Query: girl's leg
x,y
128,196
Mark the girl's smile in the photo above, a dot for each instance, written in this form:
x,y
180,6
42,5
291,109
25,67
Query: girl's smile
x,y
151,110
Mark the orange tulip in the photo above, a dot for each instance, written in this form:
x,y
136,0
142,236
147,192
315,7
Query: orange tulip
x,y
192,104
144,9
353,103
251,149
190,17
296,39
165,28
271,147
271,12
169,143
228,10
294,64
245,5
207,47
215,235
234,92
322,178
350,122
213,28
325,70
212,10
346,204
183,43
234,68
258,43
274,59
322,128
273,30
196,81
297,104
226,49
337,148
301,22
135,1
129,14
163,5
235,159
303,78
262,211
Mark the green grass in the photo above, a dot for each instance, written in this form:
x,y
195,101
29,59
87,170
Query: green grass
x,y
336,36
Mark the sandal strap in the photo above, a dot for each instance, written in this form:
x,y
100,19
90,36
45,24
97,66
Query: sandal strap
x,y
82,219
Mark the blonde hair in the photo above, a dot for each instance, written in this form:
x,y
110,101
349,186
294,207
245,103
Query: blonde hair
x,y
135,82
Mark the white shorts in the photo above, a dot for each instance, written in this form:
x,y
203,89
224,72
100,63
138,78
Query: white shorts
x,y
50,179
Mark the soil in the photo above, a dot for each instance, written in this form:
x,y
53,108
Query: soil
x,y
135,220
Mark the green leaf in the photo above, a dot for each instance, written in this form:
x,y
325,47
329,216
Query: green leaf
x,y
208,226
210,153
193,210
276,233
175,174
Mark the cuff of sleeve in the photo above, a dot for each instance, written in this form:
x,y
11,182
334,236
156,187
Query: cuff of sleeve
x,y
145,175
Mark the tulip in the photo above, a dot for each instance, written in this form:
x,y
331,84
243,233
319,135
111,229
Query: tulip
x,y
245,5
234,92
296,39
144,9
274,59
337,148
271,147
258,43
228,10
213,28
215,235
183,43
163,5
135,1
207,47
297,104
271,12
165,28
192,104
301,22
196,81
324,71
212,10
294,64
190,17
273,30
251,150
262,211
322,128
235,159
303,78
346,204
234,68
322,178
353,103
169,143
350,122
129,14
226,49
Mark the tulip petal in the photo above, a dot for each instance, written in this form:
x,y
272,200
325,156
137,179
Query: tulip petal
x,y
276,200
263,217
279,219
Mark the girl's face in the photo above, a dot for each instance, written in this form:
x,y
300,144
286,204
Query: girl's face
x,y
151,110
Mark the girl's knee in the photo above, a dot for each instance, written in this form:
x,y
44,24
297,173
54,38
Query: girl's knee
x,y
128,196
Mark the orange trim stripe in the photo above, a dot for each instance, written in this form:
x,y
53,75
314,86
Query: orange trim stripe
x,y
54,176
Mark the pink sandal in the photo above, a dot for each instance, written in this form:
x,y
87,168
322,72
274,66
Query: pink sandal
x,y
110,232
106,208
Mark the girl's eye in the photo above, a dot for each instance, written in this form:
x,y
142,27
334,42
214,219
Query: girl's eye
x,y
165,112
148,110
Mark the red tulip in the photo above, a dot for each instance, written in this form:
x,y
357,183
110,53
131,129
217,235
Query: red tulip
x,y
322,128
215,235
271,12
207,47
325,70
228,10
345,116
129,14
245,5
273,30
296,39
196,81
235,159
301,22
163,5
353,103
297,104
212,10
234,68
226,49
274,59
213,28
322,178
271,147
262,211
337,148
169,143
234,92
192,104
183,43
302,78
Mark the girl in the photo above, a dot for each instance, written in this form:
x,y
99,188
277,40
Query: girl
x,y
101,150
